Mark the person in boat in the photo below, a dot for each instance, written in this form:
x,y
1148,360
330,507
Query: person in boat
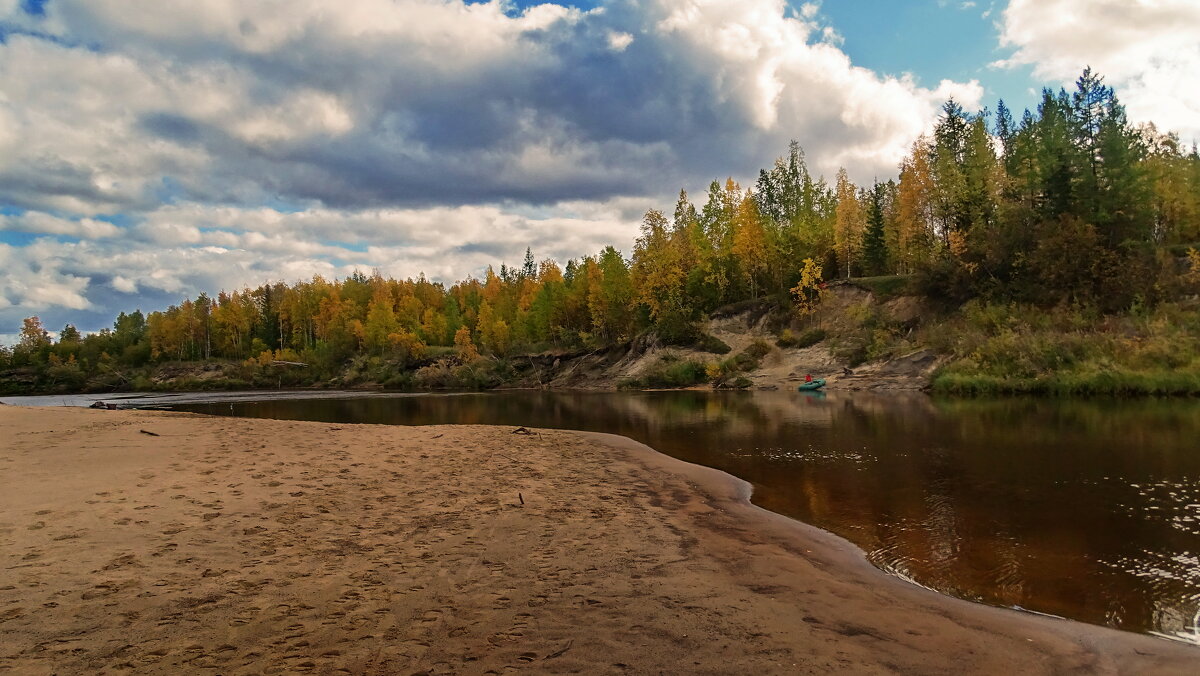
x,y
808,377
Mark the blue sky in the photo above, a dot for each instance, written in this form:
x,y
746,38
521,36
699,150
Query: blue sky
x,y
155,149
933,40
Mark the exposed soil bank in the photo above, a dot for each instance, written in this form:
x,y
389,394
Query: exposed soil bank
x,y
275,546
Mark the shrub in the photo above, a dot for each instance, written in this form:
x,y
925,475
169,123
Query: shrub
x,y
710,343
757,350
436,376
807,339
676,328
400,381
669,372
722,372
853,354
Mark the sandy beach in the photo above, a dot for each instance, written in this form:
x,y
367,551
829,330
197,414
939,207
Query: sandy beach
x,y
219,545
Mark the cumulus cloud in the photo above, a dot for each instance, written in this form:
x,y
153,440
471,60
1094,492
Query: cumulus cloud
x,y
189,248
1148,49
124,284
46,224
34,279
236,141
418,102
619,41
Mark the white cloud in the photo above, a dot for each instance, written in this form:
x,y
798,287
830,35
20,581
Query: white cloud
x,y
187,249
34,280
46,224
1149,50
407,102
410,135
124,285
618,41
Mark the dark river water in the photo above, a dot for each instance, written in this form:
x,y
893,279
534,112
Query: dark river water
x,y
1087,510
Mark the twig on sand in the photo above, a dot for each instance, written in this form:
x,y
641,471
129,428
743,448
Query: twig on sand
x,y
561,651
521,498
527,432
153,434
439,436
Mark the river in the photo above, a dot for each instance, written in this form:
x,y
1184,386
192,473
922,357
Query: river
x,y
1083,509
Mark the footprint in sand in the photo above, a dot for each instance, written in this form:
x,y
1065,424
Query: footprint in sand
x,y
11,614
153,656
123,561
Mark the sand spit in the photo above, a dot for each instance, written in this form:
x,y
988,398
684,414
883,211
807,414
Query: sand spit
x,y
253,546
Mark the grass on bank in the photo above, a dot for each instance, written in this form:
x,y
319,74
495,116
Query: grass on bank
x,y
886,287
1013,349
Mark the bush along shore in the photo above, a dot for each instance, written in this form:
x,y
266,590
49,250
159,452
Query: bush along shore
x,y
1058,254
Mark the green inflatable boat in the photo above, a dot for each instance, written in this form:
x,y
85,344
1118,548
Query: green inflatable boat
x,y
814,384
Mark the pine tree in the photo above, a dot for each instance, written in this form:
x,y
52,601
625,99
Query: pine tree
x,y
69,335
1006,131
950,143
529,270
875,253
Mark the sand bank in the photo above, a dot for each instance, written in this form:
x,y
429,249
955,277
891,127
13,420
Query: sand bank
x,y
255,546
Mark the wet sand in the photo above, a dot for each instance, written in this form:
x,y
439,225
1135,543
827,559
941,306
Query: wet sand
x,y
258,546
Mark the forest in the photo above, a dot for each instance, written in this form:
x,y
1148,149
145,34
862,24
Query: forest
x,y
1067,208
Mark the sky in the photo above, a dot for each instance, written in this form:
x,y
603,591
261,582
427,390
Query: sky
x,y
155,149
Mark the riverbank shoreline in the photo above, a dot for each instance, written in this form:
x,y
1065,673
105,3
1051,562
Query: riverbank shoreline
x,y
278,546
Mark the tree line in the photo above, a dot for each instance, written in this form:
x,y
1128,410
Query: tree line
x,y
1069,204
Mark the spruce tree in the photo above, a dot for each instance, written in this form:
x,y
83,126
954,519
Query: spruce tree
x,y
875,253
529,270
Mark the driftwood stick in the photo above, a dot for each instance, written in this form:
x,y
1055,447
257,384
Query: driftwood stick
x,y
521,498
153,434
